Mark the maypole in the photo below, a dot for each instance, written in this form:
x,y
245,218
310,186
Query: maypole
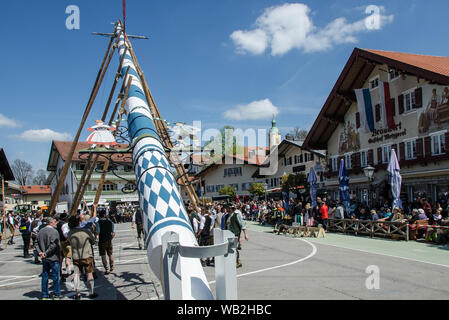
x,y
160,199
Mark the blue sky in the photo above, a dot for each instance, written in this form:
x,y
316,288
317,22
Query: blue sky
x,y
214,61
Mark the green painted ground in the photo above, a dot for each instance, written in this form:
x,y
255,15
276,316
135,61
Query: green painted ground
x,y
413,250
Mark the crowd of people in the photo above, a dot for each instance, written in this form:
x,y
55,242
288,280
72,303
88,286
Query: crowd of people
x,y
224,216
64,245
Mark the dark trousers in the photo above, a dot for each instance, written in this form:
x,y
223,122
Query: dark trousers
x,y
26,244
324,222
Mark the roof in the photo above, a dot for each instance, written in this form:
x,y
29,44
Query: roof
x,y
237,159
37,189
62,149
5,169
356,71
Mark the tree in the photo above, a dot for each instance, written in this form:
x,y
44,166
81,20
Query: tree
x,y
291,182
229,190
40,178
226,142
23,171
257,189
298,133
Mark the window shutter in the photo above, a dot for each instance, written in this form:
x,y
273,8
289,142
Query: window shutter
x,y
427,147
419,150
447,142
379,155
357,162
393,106
357,120
377,108
418,98
330,166
371,157
401,104
402,151
353,160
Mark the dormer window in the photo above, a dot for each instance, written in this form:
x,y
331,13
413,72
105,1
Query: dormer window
x,y
393,74
374,83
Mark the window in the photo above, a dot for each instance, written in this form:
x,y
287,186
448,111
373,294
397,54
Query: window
x,y
409,100
410,149
438,144
245,186
233,172
374,83
348,161
109,187
386,154
364,159
219,186
393,74
210,189
334,164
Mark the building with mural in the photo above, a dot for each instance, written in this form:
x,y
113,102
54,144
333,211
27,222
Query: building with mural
x,y
383,101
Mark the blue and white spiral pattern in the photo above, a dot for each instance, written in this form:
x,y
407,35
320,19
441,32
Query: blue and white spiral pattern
x,y
160,199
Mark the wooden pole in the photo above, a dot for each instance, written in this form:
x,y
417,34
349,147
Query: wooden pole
x,y
94,93
120,97
80,184
117,76
83,190
106,163
100,185
163,132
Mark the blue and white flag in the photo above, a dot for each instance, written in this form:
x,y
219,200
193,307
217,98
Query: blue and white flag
x,y
343,178
395,179
312,179
365,109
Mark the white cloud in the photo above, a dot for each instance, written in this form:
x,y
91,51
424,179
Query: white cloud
x,y
254,42
43,135
256,110
289,26
7,122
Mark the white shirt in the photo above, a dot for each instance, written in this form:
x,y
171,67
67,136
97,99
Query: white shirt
x,y
65,230
203,222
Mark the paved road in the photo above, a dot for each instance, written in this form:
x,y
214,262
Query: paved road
x,y
131,279
274,268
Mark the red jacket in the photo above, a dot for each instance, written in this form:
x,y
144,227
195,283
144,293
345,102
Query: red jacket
x,y
324,211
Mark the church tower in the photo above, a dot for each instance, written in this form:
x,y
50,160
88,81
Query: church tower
x,y
274,137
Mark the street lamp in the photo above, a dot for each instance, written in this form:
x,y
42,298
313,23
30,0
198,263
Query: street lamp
x,y
369,173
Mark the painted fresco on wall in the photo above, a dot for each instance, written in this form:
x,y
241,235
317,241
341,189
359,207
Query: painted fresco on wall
x,y
349,139
436,115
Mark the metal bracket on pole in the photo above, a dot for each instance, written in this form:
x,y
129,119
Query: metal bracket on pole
x,y
223,250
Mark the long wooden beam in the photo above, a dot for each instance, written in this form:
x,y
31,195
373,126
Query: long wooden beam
x,y
163,132
98,81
